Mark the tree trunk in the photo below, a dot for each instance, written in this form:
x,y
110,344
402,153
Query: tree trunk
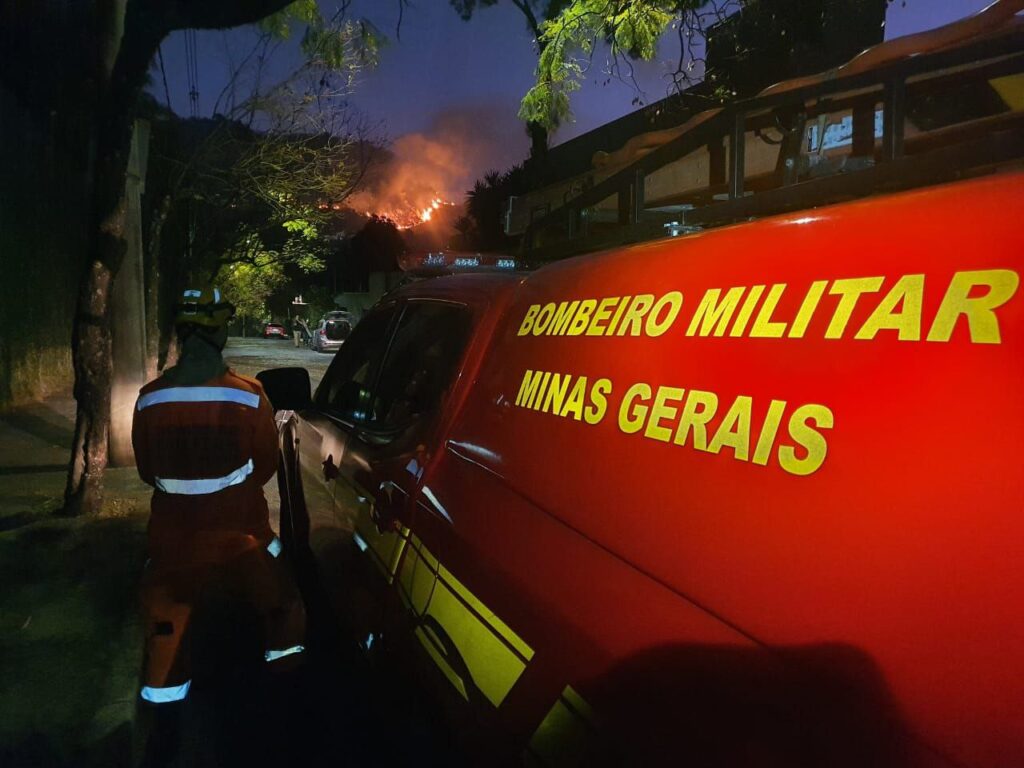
x,y
153,329
92,361
123,56
91,342
130,52
538,142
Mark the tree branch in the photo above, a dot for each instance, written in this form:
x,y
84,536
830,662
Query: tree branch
x,y
212,14
531,19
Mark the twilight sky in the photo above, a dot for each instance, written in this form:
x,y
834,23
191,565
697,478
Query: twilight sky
x,y
448,90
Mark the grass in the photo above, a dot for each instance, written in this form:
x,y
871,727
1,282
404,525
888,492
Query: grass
x,y
70,639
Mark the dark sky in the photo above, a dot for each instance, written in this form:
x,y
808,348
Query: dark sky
x,y
450,82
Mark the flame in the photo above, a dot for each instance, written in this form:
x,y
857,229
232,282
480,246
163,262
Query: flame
x,y
407,218
428,212
403,218
412,180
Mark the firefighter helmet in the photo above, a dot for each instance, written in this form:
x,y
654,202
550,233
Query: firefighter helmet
x,y
204,307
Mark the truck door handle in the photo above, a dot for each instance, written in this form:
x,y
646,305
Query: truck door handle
x,y
330,469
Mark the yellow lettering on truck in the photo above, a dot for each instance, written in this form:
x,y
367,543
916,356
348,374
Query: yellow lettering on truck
x,y
979,311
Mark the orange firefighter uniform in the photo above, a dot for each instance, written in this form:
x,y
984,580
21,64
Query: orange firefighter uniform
x,y
208,450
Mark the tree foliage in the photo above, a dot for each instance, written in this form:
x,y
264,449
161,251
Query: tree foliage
x,y
630,30
250,284
333,41
238,183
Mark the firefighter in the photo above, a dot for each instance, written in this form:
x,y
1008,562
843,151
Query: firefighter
x,y
205,439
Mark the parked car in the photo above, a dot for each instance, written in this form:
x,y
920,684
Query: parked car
x,y
274,331
331,332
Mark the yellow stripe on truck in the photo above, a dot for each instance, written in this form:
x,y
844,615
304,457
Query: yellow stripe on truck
x,y
563,736
494,665
493,655
419,572
506,633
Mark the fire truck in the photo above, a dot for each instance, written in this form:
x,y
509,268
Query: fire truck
x,y
745,494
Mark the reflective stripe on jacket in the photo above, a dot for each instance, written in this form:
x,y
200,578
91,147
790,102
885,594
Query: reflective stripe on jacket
x,y
204,485
207,450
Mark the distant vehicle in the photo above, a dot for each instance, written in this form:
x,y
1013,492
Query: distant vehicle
x,y
274,331
332,331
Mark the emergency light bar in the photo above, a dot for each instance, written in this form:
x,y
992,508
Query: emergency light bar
x,y
450,262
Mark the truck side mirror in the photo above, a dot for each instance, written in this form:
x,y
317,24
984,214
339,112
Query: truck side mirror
x,y
287,388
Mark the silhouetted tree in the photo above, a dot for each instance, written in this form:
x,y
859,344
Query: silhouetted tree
x,y
483,226
377,246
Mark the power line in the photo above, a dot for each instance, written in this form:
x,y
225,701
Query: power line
x,y
163,74
192,71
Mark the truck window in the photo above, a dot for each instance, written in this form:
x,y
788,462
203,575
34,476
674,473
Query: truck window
x,y
426,348
345,391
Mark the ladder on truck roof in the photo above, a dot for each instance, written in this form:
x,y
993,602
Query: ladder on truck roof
x,y
925,119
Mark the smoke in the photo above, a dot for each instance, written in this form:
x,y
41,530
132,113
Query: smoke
x,y
441,163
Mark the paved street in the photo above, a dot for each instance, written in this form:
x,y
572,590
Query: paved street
x,y
250,355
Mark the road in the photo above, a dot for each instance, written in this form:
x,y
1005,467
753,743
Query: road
x,y
249,356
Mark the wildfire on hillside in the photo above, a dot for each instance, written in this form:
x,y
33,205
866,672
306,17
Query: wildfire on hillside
x,y
410,216
416,180
427,212
404,217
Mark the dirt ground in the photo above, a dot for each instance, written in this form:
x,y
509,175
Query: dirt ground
x,y
70,645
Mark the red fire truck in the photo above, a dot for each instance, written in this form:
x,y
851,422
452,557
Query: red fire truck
x,y
746,496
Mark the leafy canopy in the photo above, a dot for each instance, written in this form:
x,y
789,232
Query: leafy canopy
x,y
250,284
630,29
333,42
